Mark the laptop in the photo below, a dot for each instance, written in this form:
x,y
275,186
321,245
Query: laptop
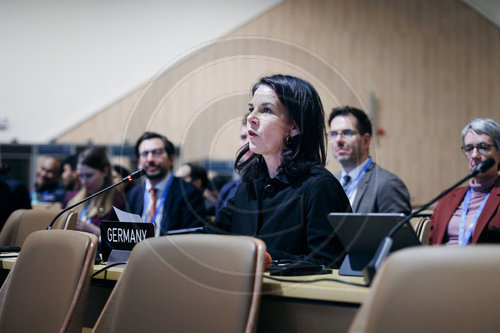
x,y
362,233
119,238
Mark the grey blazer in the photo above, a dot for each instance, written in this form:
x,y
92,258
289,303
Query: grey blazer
x,y
380,191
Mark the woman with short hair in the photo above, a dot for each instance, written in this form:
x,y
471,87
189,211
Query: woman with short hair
x,y
470,215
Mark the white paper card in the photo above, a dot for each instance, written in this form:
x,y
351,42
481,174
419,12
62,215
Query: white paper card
x,y
126,216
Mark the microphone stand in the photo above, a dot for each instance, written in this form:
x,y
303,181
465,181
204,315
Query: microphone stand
x,y
386,245
134,175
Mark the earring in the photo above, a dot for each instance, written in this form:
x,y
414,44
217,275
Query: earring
x,y
288,140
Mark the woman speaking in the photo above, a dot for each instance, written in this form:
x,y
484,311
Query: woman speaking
x,y
286,193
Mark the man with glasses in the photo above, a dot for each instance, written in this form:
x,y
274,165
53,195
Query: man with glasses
x,y
370,188
167,201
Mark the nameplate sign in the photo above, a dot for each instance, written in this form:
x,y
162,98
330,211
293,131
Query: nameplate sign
x,y
123,235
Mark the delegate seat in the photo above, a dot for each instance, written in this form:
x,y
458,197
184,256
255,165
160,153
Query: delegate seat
x,y
434,289
188,283
23,222
47,288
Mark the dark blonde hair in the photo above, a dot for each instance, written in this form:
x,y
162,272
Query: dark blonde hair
x,y
96,158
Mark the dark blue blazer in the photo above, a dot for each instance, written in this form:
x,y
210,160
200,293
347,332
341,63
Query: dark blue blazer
x,y
183,208
13,195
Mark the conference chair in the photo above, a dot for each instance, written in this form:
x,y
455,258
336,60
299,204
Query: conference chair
x,y
23,222
422,227
434,289
188,283
47,288
425,230
55,206
66,221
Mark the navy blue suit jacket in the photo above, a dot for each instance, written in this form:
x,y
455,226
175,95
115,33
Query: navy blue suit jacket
x,y
183,208
13,195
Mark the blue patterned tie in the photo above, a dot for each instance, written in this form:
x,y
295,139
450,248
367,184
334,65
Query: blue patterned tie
x,y
346,180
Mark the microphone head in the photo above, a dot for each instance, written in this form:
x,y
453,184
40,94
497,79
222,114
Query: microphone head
x,y
483,166
135,175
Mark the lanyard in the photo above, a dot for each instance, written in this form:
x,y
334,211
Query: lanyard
x,y
84,216
355,183
463,235
160,203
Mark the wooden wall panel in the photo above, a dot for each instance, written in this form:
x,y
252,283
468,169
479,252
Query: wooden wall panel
x,y
431,65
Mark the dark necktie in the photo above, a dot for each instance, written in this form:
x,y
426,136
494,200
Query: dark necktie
x,y
346,180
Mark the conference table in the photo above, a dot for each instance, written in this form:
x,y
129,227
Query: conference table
x,y
291,306
286,306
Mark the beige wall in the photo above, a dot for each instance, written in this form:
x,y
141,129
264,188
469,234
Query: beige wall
x,y
431,66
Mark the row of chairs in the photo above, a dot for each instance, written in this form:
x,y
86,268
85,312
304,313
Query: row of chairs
x,y
191,283
23,222
199,283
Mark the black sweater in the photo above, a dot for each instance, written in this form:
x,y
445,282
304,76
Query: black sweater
x,y
289,215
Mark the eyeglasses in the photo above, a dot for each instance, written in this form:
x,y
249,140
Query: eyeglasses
x,y
345,133
482,148
156,152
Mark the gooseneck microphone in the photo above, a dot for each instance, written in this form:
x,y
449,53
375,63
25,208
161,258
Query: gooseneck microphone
x,y
482,167
133,176
385,246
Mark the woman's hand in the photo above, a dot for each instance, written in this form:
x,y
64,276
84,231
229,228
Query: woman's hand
x,y
268,260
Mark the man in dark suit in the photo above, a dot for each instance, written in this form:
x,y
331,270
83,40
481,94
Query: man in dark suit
x,y
163,199
13,195
370,188
48,189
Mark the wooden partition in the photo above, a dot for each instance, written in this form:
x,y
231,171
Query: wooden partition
x,y
430,66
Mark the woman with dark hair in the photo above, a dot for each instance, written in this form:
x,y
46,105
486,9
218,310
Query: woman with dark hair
x,y
471,214
94,172
119,172
286,193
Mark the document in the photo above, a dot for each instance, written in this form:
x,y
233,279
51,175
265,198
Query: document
x,y
126,216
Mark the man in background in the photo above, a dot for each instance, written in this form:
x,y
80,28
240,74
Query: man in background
x,y
163,199
229,189
13,195
197,175
47,187
194,174
69,177
370,188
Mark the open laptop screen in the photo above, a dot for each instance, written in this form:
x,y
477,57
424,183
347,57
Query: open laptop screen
x,y
362,233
